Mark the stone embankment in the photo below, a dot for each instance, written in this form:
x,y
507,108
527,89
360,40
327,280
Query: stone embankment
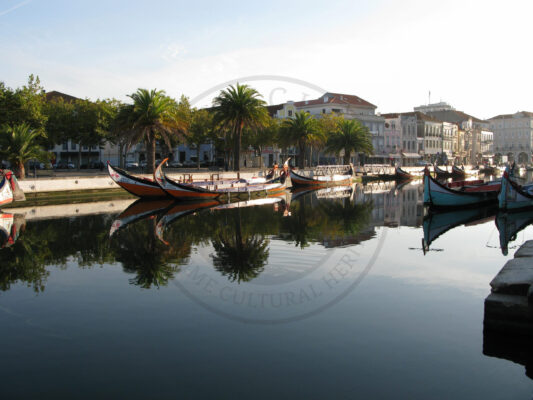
x,y
508,322
104,182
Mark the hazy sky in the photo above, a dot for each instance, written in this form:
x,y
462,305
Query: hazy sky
x,y
475,54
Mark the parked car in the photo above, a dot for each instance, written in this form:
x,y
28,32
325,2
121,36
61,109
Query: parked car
x,y
423,163
35,165
189,163
132,164
64,165
175,164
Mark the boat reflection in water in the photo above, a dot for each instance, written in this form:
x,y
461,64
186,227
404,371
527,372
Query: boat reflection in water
x,y
510,224
10,228
436,223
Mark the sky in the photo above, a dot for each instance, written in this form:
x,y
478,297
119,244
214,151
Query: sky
x,y
476,55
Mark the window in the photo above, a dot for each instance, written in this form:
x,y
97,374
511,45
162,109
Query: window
x,y
290,113
65,145
73,146
323,111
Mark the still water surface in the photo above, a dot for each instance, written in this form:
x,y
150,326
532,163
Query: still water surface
x,y
316,295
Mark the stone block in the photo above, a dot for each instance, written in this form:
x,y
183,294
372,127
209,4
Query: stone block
x,y
515,277
526,250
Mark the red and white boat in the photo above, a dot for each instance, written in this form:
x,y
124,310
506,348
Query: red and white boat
x,y
215,189
136,185
9,188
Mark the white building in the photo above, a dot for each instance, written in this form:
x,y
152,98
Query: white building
x,y
513,136
350,106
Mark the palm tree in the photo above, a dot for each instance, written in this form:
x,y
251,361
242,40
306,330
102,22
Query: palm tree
x,y
18,145
303,130
239,107
152,116
350,136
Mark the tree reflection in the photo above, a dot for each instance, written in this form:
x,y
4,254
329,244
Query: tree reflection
x,y
239,254
143,254
314,220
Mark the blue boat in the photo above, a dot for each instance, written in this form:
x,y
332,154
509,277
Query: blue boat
x,y
513,196
462,194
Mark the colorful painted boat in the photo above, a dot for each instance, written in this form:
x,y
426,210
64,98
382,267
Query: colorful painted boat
x,y
441,173
323,175
514,196
216,189
511,223
436,223
138,186
402,175
9,188
10,228
458,172
462,194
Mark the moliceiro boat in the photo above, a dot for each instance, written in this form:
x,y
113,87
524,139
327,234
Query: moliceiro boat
x,y
513,196
136,185
402,175
323,175
9,188
456,194
216,189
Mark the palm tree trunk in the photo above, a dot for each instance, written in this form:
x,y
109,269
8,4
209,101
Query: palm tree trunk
x,y
79,156
347,156
20,172
301,159
237,147
198,155
260,158
150,155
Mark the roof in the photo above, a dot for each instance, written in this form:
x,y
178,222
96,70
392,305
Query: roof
x,y
55,95
391,115
421,116
336,98
527,113
272,109
454,116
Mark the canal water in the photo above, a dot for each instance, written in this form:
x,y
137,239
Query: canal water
x,y
353,292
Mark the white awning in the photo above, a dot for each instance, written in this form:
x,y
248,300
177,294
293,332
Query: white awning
x,y
411,155
395,156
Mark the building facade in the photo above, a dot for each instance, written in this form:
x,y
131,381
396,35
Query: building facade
x,y
513,136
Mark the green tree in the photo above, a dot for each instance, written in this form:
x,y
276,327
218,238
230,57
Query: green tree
x,y
19,144
351,137
239,107
303,130
152,116
265,136
23,105
200,130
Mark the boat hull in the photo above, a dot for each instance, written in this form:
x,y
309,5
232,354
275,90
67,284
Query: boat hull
x,y
326,180
140,187
438,195
512,196
190,191
6,194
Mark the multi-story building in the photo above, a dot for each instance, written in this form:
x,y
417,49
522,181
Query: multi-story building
x,y
449,140
400,131
350,106
513,136
470,126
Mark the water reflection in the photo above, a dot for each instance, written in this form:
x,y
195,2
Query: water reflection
x,y
436,223
151,239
